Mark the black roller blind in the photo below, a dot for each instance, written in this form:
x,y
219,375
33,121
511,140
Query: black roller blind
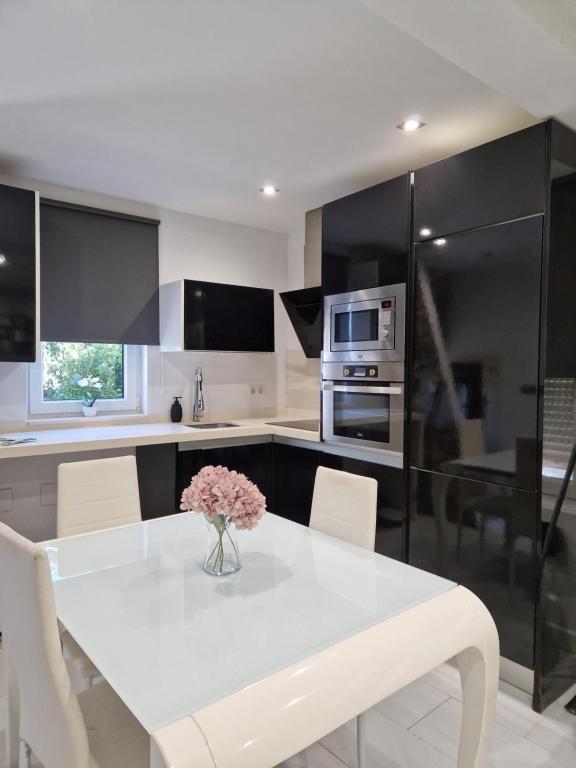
x,y
98,276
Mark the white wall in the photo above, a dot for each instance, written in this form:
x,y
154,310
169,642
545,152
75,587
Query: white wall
x,y
204,249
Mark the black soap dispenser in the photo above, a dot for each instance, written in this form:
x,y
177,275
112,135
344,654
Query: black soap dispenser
x,y
176,410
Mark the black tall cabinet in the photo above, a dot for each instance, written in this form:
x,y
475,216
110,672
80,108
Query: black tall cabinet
x,y
491,241
18,286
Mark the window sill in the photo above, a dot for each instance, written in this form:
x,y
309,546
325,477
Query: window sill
x,y
80,419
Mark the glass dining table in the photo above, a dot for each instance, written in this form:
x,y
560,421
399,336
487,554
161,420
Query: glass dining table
x,y
245,670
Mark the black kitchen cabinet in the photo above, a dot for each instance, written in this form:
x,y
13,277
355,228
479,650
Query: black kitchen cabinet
x,y
475,368
254,461
485,537
366,238
157,480
294,475
232,318
17,275
499,181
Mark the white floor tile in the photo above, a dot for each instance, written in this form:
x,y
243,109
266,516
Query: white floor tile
x,y
557,734
387,746
514,709
412,703
315,756
445,678
441,729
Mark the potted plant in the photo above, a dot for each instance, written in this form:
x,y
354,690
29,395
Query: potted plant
x,y
229,501
91,386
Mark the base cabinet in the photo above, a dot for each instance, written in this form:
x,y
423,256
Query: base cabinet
x,y
157,480
294,475
254,461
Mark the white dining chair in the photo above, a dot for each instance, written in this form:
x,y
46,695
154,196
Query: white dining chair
x,y
97,494
92,730
345,506
93,495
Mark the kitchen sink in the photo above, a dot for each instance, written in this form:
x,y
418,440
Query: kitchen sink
x,y
214,425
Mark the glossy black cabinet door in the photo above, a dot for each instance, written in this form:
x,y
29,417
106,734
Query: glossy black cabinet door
x,y
365,238
255,461
294,476
485,537
157,480
499,181
17,275
231,318
475,370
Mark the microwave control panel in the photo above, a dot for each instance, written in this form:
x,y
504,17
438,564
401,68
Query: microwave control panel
x,y
360,371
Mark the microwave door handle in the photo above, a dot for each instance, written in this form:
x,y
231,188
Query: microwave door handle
x,y
363,390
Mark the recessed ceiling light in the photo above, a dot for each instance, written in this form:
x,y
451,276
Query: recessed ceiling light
x,y
412,124
3,260
440,241
269,190
425,232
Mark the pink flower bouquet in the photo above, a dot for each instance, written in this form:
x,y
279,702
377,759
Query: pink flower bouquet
x,y
224,497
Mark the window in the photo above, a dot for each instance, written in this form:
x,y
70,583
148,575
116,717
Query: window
x,y
70,375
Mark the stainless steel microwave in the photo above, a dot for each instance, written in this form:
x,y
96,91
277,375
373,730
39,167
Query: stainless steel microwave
x,y
365,325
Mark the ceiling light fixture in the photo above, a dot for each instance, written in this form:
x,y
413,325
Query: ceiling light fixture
x,y
269,190
3,260
425,232
412,124
440,241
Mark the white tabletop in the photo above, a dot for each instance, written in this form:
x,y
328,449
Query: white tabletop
x,y
171,639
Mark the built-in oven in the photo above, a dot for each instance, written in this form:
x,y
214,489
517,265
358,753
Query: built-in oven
x,y
363,405
365,325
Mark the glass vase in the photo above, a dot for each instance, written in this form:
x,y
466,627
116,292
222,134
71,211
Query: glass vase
x,y
222,555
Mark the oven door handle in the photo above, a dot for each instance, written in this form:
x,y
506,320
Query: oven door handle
x,y
363,390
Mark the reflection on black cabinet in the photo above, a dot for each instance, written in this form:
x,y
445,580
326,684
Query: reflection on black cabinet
x,y
17,275
233,318
365,238
499,181
294,475
476,354
484,537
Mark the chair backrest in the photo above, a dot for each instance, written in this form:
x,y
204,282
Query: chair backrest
x,y
344,506
97,494
50,717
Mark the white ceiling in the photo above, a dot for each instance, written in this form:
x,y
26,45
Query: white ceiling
x,y
194,104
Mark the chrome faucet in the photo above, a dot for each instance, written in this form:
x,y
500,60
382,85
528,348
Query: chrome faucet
x,y
198,407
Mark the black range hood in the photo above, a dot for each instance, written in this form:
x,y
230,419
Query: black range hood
x,y
304,309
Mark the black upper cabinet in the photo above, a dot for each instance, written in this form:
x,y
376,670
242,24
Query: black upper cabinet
x,y
365,238
230,318
17,275
496,182
476,354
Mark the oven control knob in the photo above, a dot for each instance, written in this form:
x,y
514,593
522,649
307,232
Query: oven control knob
x,y
346,371
372,371
385,332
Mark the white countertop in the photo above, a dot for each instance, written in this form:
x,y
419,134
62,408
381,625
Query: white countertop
x,y
91,438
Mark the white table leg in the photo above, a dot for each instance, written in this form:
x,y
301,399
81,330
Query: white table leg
x,y
360,740
479,675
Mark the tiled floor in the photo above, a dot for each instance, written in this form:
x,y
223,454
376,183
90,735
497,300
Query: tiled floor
x,y
418,727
